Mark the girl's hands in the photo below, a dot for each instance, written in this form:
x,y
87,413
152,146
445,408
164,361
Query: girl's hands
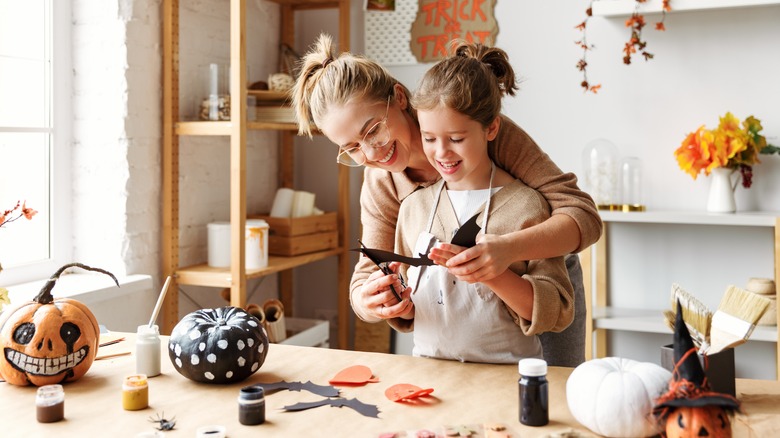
x,y
378,300
490,257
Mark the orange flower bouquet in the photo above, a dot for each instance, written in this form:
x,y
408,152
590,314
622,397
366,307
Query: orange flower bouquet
x,y
733,144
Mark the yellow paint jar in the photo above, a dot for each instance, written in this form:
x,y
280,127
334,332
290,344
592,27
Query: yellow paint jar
x,y
135,392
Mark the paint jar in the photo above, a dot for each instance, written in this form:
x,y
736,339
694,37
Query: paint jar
x,y
255,244
50,403
147,350
251,405
533,392
135,393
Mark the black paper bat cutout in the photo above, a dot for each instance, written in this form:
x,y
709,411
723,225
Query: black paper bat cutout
x,y
364,409
323,390
466,237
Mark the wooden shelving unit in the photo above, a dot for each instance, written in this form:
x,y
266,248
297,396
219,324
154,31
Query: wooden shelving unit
x,y
622,8
598,292
235,278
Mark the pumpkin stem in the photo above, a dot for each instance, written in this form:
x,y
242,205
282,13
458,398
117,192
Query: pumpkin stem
x,y
45,296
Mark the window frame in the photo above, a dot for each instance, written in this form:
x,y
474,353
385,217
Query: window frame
x,y
60,182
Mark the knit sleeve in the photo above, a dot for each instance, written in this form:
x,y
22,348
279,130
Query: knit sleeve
x,y
379,206
517,153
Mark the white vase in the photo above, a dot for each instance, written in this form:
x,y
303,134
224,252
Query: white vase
x,y
721,196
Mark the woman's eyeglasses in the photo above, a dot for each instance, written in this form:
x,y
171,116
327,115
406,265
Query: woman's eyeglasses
x,y
376,137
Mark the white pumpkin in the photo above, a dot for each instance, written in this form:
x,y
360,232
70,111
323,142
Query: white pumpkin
x,y
614,396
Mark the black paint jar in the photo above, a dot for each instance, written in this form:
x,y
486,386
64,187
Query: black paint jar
x,y
533,392
251,405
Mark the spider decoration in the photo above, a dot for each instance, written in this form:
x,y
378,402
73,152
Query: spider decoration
x,y
164,424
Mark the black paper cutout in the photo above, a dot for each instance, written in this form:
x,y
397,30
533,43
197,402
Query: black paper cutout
x,y
467,234
466,237
323,390
357,405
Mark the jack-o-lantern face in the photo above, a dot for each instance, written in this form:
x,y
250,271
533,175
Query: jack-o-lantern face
x,y
44,344
694,422
47,341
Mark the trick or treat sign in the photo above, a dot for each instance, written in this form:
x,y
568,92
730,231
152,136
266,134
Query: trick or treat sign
x,y
438,22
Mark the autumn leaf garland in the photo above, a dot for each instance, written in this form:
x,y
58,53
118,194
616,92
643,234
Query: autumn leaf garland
x,y
634,44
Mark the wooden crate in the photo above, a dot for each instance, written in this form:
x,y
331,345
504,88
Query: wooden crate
x,y
296,226
297,245
301,235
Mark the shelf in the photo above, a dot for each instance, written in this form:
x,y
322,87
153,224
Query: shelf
x,y
224,128
749,219
652,321
622,8
204,275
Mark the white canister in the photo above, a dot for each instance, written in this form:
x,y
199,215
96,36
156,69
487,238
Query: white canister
x,y
255,244
219,244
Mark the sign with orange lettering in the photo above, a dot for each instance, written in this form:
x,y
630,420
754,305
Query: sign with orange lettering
x,y
438,22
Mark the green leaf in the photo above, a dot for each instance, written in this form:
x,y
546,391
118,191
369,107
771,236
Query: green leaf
x,y
770,149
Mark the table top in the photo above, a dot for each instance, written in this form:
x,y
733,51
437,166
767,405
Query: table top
x,y
464,394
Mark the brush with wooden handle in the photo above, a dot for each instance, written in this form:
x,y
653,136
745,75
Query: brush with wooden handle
x,y
696,315
735,319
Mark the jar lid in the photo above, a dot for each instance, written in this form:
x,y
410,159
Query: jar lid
x,y
532,367
256,223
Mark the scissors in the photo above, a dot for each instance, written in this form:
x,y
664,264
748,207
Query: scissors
x,y
466,236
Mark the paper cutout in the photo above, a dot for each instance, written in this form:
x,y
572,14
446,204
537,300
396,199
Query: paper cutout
x,y
405,391
354,375
466,236
355,404
323,390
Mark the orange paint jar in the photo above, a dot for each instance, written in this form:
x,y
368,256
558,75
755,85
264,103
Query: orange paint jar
x,y
135,393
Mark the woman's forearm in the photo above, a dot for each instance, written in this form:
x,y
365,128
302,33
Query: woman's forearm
x,y
555,237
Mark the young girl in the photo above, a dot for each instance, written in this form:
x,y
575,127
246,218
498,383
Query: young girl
x,y
346,97
458,105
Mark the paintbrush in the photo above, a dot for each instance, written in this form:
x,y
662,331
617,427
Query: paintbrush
x,y
735,319
696,315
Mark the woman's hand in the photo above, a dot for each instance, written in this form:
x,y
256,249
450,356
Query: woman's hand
x,y
378,300
489,258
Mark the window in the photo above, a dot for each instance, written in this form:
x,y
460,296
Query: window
x,y
35,137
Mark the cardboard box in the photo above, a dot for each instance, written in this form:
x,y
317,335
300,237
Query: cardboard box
x,y
307,332
719,368
301,235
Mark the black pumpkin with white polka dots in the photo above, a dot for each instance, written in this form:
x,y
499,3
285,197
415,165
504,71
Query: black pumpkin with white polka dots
x,y
223,345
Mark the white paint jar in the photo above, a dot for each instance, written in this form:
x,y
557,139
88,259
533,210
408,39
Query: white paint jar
x,y
147,350
255,244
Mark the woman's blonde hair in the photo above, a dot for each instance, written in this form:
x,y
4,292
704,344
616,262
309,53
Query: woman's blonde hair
x,y
328,79
472,81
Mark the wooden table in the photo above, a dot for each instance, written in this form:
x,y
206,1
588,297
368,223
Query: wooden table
x,y
464,394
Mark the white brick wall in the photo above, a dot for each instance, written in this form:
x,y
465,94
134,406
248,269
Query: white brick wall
x,y
117,132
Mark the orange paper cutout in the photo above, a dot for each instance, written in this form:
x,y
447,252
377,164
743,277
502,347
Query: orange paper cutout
x,y
354,375
406,391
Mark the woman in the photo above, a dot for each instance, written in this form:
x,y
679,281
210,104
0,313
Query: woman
x,y
359,106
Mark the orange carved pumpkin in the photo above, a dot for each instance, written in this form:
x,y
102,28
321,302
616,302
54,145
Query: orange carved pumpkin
x,y
698,421
46,340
